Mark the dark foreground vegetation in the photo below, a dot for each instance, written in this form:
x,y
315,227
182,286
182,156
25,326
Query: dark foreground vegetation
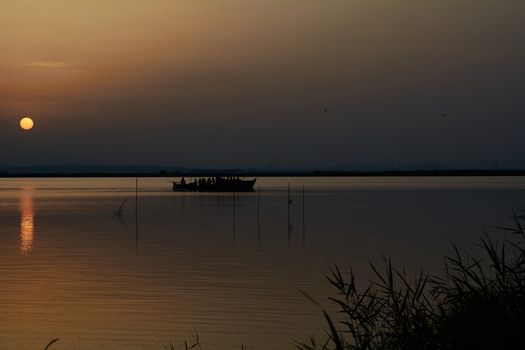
x,y
478,302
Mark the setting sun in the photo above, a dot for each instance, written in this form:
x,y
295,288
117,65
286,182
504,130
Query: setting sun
x,y
26,123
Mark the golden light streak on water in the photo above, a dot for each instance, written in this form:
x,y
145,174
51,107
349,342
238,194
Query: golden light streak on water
x,y
27,221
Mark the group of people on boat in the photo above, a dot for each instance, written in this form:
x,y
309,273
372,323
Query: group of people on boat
x,y
210,181
217,183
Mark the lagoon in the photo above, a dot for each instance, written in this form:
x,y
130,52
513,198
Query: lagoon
x,y
209,263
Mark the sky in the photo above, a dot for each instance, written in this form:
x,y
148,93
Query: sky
x,y
342,84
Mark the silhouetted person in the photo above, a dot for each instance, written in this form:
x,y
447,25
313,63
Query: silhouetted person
x,y
183,182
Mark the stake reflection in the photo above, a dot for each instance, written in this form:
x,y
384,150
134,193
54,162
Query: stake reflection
x,y
27,221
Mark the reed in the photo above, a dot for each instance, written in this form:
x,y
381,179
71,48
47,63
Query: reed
x,y
51,343
194,344
476,303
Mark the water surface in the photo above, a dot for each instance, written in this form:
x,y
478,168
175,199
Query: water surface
x,y
208,263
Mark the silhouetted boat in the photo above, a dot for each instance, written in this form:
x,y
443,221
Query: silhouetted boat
x,y
216,184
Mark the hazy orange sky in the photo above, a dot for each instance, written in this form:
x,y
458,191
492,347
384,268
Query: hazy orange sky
x,y
215,83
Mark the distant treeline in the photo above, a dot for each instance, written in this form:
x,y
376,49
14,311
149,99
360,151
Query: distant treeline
x,y
250,173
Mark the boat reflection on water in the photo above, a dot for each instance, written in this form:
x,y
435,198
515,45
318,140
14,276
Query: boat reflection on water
x,y
27,221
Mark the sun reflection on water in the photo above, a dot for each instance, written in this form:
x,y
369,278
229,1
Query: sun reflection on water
x,y
27,221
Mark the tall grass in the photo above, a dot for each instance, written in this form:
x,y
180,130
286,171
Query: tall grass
x,y
51,343
476,303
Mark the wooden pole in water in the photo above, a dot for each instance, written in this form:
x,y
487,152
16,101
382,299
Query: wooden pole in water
x,y
233,215
258,202
136,214
304,236
289,225
288,204
258,220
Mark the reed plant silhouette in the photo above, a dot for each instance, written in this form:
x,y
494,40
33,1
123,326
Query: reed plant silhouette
x,y
194,344
51,343
476,303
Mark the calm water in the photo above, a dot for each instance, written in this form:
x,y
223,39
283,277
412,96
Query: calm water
x,y
191,263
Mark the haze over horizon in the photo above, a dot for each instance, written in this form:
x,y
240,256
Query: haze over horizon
x,y
235,83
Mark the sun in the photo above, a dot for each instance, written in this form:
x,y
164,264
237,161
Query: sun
x,y
26,123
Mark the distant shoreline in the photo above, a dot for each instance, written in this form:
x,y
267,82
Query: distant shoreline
x,y
203,173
